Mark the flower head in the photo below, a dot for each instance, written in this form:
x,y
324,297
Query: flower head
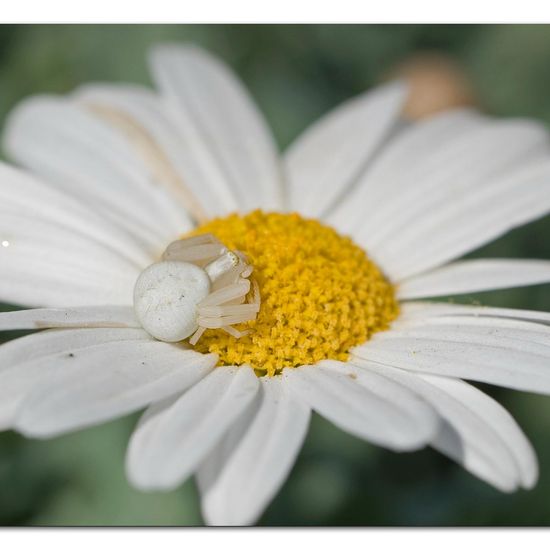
x,y
181,266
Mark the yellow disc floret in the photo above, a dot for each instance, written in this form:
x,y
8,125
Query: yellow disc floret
x,y
321,294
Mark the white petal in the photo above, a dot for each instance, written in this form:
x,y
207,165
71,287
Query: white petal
x,y
391,171
468,156
511,323
462,192
232,146
62,289
475,276
53,342
88,317
247,468
55,252
149,120
477,452
478,433
31,199
107,381
366,405
469,221
416,311
172,438
500,351
324,162
23,364
86,158
46,265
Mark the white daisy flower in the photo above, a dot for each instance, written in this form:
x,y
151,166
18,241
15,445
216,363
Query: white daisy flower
x,y
361,215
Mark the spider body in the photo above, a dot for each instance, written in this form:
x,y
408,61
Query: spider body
x,y
199,284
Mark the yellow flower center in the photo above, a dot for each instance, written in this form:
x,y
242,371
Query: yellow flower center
x,y
321,294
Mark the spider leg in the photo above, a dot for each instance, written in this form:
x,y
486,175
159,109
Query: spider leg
x,y
230,302
230,277
251,298
229,329
234,332
255,297
226,320
225,294
196,335
206,238
215,311
227,309
200,249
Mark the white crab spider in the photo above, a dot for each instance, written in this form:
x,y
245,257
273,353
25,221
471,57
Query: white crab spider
x,y
198,284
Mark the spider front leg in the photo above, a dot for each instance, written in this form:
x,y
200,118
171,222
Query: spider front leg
x,y
198,250
219,311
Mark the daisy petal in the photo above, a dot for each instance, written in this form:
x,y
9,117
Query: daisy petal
x,y
171,439
500,351
475,450
89,160
469,155
443,325
386,178
32,199
40,345
23,362
328,158
473,183
477,433
92,388
249,465
45,265
366,405
148,120
475,276
415,311
232,146
88,317
473,218
57,252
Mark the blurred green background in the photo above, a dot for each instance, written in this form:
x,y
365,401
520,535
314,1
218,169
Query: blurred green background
x,y
296,73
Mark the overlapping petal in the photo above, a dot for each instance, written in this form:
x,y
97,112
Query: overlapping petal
x,y
84,317
477,183
88,159
58,252
246,469
102,382
329,157
477,432
475,276
145,119
28,361
173,437
497,350
366,405
415,312
229,143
